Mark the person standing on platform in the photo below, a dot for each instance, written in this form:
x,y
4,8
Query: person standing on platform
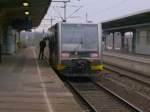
x,y
42,45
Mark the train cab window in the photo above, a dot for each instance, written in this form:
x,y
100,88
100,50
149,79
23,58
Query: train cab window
x,y
81,39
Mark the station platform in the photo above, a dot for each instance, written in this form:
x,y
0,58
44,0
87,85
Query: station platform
x,y
30,85
132,62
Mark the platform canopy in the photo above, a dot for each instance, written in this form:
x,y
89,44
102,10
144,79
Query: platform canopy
x,y
129,21
13,11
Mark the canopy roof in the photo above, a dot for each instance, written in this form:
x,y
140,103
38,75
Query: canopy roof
x,y
130,21
13,10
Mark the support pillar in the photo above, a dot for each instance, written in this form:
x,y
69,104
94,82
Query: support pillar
x,y
134,41
0,53
104,40
0,45
122,41
113,47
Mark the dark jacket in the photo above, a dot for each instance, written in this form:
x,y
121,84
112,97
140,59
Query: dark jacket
x,y
42,44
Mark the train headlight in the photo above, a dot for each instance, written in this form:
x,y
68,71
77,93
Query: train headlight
x,y
65,55
94,55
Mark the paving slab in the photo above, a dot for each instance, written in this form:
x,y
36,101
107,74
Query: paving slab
x,y
29,85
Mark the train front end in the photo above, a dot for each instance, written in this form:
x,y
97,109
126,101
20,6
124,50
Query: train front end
x,y
80,48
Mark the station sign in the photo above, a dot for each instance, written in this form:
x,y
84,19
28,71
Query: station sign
x,y
21,24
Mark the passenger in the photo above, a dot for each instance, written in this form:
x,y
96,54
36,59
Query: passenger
x,y
42,45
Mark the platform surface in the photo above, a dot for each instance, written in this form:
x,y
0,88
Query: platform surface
x,y
30,85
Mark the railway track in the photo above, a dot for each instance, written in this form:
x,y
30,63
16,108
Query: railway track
x,y
99,98
137,82
126,73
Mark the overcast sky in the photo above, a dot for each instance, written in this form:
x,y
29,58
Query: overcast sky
x,y
95,10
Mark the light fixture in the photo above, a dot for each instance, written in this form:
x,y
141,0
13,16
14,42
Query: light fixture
x,y
27,13
25,4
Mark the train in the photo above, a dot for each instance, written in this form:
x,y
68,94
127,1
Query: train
x,y
75,48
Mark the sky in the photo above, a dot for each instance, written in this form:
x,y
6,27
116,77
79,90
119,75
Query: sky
x,y
95,11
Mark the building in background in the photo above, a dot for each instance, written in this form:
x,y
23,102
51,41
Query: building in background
x,y
130,34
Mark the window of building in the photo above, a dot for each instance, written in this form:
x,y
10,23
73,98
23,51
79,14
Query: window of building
x,y
142,37
128,41
117,41
148,37
109,41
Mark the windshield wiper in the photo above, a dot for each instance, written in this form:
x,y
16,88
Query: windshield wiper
x,y
77,47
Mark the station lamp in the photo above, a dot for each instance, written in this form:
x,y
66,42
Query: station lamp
x,y
26,13
25,4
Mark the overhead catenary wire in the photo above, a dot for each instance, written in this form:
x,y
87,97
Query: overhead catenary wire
x,y
75,11
59,13
71,15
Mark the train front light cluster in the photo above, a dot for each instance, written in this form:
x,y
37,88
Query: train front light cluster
x,y
94,55
65,55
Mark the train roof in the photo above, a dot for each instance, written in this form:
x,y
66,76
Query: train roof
x,y
51,28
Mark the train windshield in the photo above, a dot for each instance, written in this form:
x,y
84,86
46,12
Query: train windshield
x,y
79,37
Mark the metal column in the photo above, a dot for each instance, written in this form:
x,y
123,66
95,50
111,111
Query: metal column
x,y
134,41
122,41
0,53
0,46
113,47
105,34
